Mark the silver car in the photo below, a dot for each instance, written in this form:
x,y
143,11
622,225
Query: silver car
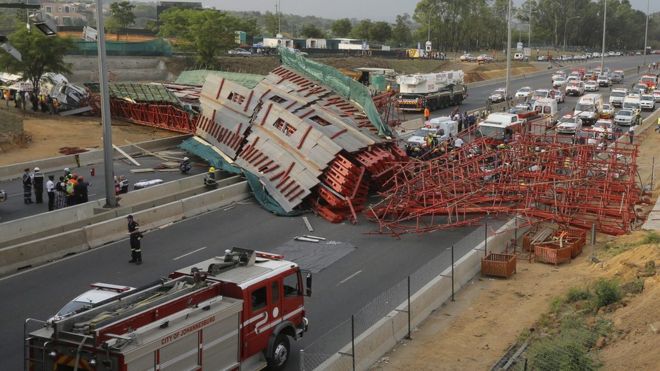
x,y
568,125
647,102
624,117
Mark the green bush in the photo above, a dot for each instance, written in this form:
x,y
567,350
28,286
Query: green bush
x,y
560,353
652,237
607,292
633,287
577,294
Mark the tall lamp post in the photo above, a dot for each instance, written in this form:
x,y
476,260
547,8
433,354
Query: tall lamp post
x,y
646,33
602,54
508,54
110,199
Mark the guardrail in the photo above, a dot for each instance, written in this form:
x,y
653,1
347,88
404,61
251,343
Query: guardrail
x,y
42,250
15,171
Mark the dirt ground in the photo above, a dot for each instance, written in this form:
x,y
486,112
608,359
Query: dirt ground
x,y
50,133
474,332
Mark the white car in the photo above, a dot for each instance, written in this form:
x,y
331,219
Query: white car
x,y
541,93
575,88
239,51
591,86
656,95
524,92
467,58
568,124
625,117
647,102
99,292
617,96
604,80
559,82
497,96
605,127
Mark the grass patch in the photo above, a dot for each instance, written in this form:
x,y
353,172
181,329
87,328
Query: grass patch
x,y
633,287
577,294
652,238
606,292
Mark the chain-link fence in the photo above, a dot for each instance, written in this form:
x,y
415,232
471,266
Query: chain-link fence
x,y
344,334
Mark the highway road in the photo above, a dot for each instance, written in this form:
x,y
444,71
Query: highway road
x,y
14,207
351,271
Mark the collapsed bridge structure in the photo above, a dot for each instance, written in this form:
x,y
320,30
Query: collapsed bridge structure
x,y
540,177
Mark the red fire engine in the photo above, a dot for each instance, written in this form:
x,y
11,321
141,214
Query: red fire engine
x,y
232,312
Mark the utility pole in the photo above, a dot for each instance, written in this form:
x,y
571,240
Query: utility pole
x,y
278,10
646,33
110,199
529,33
508,54
602,55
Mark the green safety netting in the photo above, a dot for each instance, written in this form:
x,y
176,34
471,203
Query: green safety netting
x,y
265,200
198,77
157,47
207,153
340,83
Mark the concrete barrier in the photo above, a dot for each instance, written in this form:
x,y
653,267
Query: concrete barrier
x,y
34,252
15,171
387,332
40,251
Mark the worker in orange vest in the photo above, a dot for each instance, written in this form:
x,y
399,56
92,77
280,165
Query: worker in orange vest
x,y
427,113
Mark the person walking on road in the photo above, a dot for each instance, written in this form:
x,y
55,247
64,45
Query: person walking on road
x,y
27,187
135,237
80,191
631,134
60,193
38,184
50,189
427,114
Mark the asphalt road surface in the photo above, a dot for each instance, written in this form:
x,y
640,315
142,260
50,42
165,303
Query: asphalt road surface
x,y
366,266
14,208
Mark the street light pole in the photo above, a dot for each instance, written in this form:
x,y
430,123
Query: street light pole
x,y
602,54
110,199
646,33
529,33
508,54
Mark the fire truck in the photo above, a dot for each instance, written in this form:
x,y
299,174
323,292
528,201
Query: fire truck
x,y
432,90
233,312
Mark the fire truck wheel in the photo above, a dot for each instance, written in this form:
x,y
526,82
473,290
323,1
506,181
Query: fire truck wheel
x,y
280,353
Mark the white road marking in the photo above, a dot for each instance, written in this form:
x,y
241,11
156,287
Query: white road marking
x,y
190,253
349,277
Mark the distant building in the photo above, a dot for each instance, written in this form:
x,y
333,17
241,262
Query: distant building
x,y
65,13
315,44
164,5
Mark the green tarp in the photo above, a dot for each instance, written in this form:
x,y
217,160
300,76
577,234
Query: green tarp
x,y
337,81
197,77
207,153
266,200
157,47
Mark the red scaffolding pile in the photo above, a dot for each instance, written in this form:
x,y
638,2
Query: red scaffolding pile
x,y
543,177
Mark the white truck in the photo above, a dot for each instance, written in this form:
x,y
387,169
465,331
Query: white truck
x,y
432,90
499,127
588,108
439,127
231,312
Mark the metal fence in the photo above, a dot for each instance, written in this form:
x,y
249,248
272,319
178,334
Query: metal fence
x,y
330,343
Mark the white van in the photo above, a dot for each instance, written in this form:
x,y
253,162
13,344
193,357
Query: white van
x,y
588,108
547,107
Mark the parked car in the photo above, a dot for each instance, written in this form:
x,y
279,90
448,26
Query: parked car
x,y
485,58
604,79
559,83
524,92
607,111
617,96
559,96
591,86
499,95
656,95
467,58
617,76
647,102
575,88
568,124
625,117
239,51
542,58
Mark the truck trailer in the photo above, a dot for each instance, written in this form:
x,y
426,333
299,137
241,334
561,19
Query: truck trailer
x,y
233,312
433,90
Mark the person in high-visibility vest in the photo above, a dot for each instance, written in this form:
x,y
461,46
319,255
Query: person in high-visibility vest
x,y
427,113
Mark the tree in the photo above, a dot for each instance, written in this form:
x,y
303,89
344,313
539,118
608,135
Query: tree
x,y
401,34
361,30
311,31
40,54
274,23
380,31
341,27
122,17
205,32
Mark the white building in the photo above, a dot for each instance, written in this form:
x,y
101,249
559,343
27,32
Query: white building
x,y
316,44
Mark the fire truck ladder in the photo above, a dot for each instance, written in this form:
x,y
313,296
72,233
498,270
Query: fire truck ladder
x,y
39,352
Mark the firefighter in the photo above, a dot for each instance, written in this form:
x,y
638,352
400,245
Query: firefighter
x,y
135,237
27,187
427,113
209,179
38,185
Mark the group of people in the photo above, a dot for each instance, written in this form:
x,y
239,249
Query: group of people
x,y
41,102
70,189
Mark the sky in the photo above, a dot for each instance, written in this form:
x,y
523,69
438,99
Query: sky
x,y
385,10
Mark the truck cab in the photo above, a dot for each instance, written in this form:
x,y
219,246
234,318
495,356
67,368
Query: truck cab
x,y
500,127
